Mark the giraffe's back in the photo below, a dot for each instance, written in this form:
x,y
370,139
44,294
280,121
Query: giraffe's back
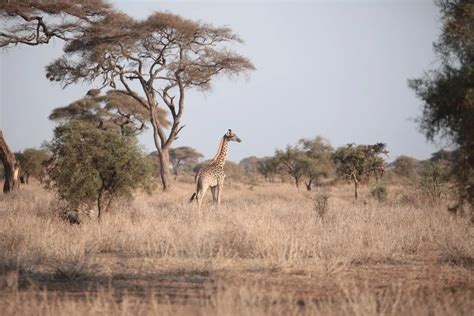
x,y
210,175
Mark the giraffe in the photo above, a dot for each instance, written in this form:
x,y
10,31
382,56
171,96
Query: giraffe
x,y
212,176
16,173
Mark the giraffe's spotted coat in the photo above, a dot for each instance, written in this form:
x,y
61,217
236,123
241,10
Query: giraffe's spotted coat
x,y
212,176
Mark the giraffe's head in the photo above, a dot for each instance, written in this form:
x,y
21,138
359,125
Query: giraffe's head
x,y
230,136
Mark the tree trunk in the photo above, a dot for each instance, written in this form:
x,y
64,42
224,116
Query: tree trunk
x,y
99,200
104,200
162,148
356,186
99,205
163,154
297,182
9,163
308,184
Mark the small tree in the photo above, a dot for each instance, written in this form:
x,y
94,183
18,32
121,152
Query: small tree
x,y
249,165
268,167
317,161
358,162
183,155
292,160
91,165
313,171
434,178
405,166
31,162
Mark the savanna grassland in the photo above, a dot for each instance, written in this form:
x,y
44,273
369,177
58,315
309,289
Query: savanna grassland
x,y
267,250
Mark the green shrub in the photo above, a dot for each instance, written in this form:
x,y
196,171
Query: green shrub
x,y
92,165
379,192
434,179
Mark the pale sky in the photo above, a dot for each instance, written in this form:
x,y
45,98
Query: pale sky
x,y
338,69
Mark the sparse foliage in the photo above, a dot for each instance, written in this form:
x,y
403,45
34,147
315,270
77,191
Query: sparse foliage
x,y
358,162
317,162
434,178
405,166
34,22
310,159
184,155
320,204
31,162
268,167
249,165
94,166
114,110
379,192
293,161
448,92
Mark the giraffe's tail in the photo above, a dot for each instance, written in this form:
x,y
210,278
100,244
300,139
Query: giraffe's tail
x,y
193,197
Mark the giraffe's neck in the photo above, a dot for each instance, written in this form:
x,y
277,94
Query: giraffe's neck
x,y
221,155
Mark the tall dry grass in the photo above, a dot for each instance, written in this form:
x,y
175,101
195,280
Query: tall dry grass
x,y
273,225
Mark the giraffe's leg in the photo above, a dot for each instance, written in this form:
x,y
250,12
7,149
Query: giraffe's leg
x,y
200,195
219,191
214,197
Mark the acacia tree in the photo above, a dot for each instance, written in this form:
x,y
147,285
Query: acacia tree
x,y
268,167
31,22
356,162
448,92
31,162
183,155
317,161
405,166
249,165
293,161
114,110
165,54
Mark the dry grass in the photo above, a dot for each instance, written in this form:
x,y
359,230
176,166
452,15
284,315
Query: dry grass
x,y
265,251
244,300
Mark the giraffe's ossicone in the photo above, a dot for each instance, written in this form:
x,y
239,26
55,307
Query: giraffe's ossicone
x,y
212,176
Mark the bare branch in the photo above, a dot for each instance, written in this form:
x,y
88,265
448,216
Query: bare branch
x,y
32,22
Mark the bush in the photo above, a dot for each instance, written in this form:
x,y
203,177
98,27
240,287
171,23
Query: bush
x,y
92,165
379,192
434,178
320,203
